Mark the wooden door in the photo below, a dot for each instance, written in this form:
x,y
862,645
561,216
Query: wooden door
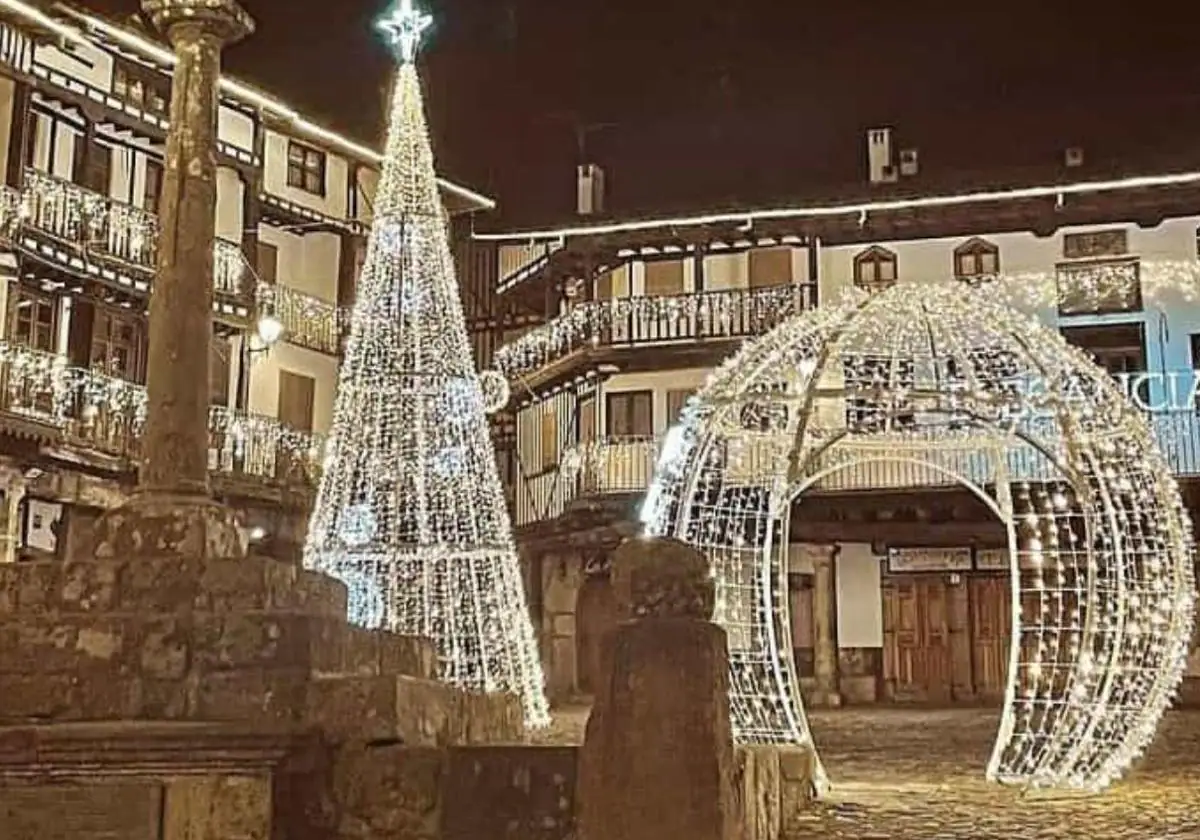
x,y
991,628
916,640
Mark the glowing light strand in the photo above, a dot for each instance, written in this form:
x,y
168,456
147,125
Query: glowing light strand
x,y
1099,540
410,513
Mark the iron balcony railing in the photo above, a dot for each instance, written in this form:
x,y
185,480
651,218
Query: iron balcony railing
x,y
654,320
98,414
617,466
93,228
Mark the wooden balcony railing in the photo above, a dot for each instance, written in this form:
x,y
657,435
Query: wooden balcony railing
x,y
307,321
626,465
636,321
99,229
610,466
97,414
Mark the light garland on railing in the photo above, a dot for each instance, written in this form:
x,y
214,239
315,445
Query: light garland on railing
x,y
98,411
1104,586
410,512
719,314
307,320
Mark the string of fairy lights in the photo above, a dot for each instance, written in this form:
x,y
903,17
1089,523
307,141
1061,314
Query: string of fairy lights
x,y
1157,283
109,413
410,512
1104,588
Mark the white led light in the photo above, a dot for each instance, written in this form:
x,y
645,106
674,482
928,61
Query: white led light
x,y
410,513
936,381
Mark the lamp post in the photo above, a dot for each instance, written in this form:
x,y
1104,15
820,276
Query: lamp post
x,y
172,512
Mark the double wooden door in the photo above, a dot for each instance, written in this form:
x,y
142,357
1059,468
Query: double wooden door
x,y
946,641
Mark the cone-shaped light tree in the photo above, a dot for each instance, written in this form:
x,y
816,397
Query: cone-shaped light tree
x,y
410,513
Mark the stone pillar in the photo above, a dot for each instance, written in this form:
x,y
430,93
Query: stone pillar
x,y
658,758
10,517
172,512
827,691
958,620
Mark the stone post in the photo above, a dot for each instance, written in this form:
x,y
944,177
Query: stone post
x,y
658,758
825,622
172,512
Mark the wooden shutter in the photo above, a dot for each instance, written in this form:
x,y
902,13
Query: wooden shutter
x,y
296,397
770,267
675,403
587,420
549,435
664,277
631,414
605,284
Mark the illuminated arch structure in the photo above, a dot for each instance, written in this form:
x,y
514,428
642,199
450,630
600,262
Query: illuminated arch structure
x,y
938,383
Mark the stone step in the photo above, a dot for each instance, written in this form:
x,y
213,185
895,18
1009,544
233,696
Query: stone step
x,y
412,711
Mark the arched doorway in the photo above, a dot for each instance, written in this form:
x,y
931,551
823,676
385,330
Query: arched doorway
x,y
944,384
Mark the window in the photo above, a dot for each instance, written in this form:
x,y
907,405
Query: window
x,y
770,267
35,320
118,345
630,414
93,166
142,88
218,372
1118,348
153,187
296,397
875,269
1099,287
268,262
664,277
305,168
976,260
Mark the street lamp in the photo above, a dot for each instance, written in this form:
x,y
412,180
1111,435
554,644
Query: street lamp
x,y
270,330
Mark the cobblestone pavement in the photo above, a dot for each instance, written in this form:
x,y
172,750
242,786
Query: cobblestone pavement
x,y
918,775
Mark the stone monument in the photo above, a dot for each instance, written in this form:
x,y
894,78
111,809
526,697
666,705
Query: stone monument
x,y
172,512
658,758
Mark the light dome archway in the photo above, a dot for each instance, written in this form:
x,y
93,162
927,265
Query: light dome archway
x,y
932,384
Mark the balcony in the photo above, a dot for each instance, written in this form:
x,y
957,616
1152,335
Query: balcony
x,y
607,467
83,415
625,466
94,236
707,323
307,321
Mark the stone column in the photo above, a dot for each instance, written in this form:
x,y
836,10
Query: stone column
x,y
172,512
825,621
10,511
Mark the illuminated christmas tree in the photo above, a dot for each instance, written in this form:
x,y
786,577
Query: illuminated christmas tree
x,y
410,512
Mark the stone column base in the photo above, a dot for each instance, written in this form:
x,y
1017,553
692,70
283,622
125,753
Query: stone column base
x,y
825,699
152,525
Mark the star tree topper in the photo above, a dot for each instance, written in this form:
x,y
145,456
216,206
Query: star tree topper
x,y
403,26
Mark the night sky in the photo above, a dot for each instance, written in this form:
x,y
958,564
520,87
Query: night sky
x,y
705,103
